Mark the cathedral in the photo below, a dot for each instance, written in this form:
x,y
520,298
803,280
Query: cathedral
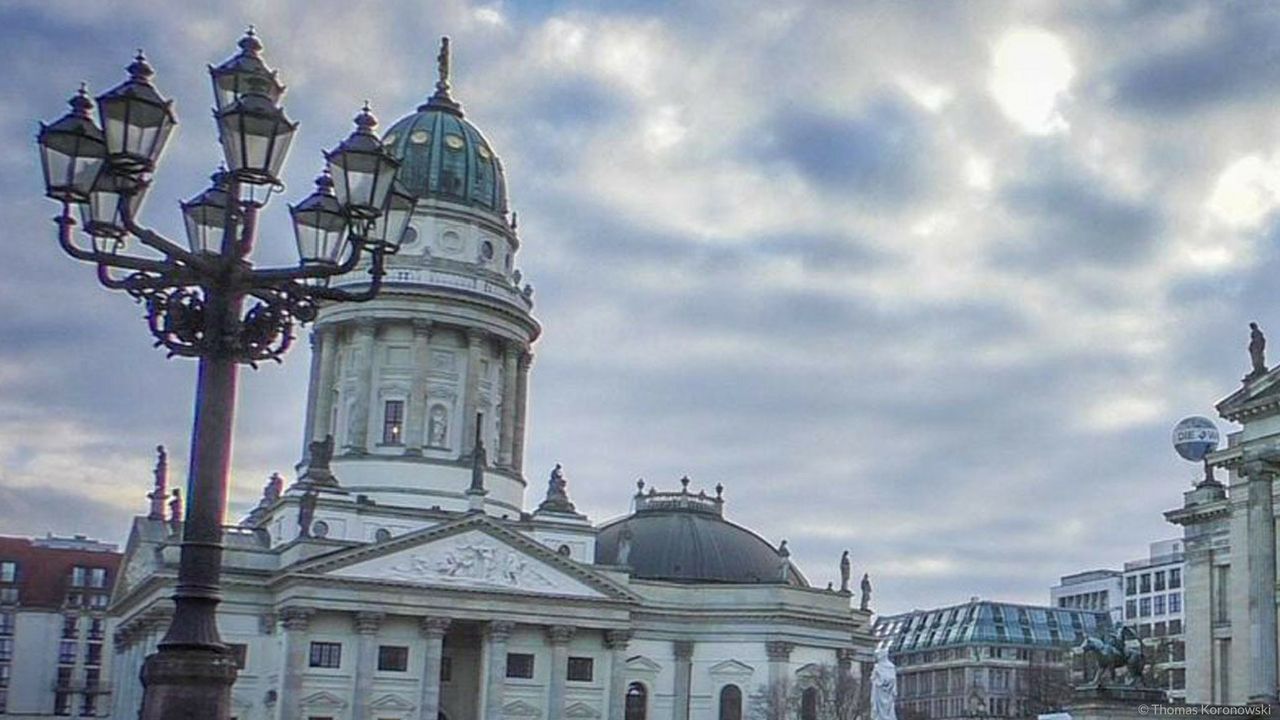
x,y
404,574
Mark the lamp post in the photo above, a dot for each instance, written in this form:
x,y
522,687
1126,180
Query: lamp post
x,y
196,297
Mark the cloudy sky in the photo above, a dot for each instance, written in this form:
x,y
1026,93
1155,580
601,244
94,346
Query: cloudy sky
x,y
928,281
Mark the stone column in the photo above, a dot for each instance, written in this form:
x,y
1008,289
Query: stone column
x,y
616,641
433,630
510,367
1262,585
779,654
683,680
558,636
324,381
496,635
471,398
296,620
366,624
415,434
313,383
522,407
358,423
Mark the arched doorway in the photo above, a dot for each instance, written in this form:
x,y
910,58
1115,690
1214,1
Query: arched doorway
x,y
637,706
730,703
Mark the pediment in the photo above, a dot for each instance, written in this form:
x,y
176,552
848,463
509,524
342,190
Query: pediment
x,y
520,709
391,702
474,553
1261,395
731,667
323,699
581,710
640,663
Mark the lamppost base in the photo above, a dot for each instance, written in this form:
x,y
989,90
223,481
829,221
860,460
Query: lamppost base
x,y
181,684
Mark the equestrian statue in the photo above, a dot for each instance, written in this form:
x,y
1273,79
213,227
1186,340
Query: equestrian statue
x,y
1110,653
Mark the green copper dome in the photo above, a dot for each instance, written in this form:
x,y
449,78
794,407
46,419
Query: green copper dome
x,y
445,157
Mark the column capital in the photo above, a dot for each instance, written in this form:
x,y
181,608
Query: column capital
x,y
365,324
434,626
267,623
683,649
560,634
475,336
367,623
499,630
422,326
296,617
778,650
617,639
526,360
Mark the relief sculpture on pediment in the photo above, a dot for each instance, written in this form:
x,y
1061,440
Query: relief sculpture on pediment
x,y
474,563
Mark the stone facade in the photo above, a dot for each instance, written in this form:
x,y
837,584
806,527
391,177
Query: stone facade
x,y
1230,556
401,576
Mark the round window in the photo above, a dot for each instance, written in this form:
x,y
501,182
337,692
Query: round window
x,y
320,529
390,139
382,535
454,142
564,550
486,250
420,137
483,152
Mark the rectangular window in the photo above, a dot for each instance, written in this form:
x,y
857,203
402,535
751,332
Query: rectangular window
x,y
8,571
1157,605
1159,581
326,655
1144,607
69,627
98,577
1175,627
92,676
1131,585
239,653
446,669
393,422
1221,585
1175,578
1177,679
64,677
96,628
77,576
393,658
1175,603
1144,583
99,601
520,665
1159,629
62,703
6,623
4,679
93,654
1130,609
89,705
581,669
8,595
6,649
67,652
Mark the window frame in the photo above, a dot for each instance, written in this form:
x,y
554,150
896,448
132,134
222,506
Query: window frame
x,y
397,652
323,652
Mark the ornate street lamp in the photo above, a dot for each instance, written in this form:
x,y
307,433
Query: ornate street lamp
x,y
196,298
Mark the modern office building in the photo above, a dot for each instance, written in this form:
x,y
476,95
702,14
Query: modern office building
x,y
1153,607
1097,590
985,658
55,637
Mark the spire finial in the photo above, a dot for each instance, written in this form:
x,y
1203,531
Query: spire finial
x,y
442,67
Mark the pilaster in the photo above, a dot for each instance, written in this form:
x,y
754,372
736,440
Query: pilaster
x,y
558,636
471,397
416,422
1262,583
779,654
683,651
616,641
510,369
522,407
366,627
496,635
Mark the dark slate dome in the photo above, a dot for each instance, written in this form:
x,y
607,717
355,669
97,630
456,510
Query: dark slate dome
x,y
683,537
444,156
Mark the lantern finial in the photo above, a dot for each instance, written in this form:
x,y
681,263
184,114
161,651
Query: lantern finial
x,y
442,67
441,100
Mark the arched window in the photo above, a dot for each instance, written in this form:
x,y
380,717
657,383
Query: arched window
x,y
637,702
809,704
730,703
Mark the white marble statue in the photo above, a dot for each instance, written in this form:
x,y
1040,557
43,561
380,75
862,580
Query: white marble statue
x,y
884,687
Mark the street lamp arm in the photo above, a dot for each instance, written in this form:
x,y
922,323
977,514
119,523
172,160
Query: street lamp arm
x,y
269,276
141,283
369,293
160,243
66,241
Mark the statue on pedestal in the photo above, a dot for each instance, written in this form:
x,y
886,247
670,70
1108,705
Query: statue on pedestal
x,y
1111,653
160,491
845,569
319,454
557,493
884,687
1257,352
865,603
175,510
